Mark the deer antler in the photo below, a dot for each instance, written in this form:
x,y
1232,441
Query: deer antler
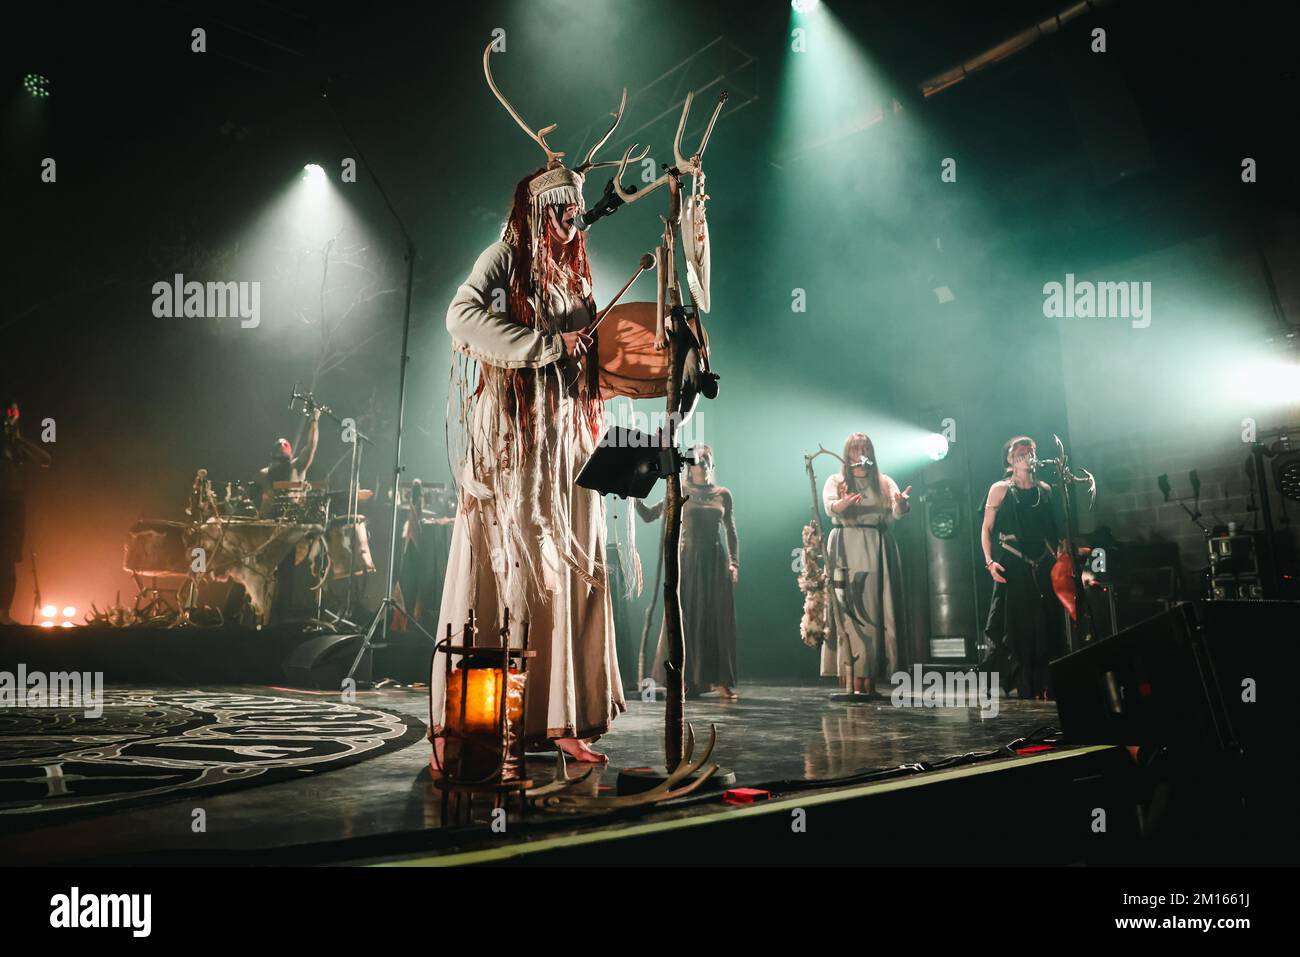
x,y
666,790
625,196
1090,482
692,164
587,163
539,137
562,779
684,166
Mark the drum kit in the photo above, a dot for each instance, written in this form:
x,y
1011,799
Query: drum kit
x,y
307,503
251,535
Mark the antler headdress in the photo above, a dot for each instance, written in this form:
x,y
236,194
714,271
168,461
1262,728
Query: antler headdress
x,y
559,185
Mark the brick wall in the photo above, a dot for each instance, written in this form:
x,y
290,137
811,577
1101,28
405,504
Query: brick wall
x,y
1173,396
1129,500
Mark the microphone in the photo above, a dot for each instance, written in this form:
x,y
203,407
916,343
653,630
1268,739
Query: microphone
x,y
607,204
309,402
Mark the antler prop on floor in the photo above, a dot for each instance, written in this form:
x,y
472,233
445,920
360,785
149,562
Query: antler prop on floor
x,y
556,796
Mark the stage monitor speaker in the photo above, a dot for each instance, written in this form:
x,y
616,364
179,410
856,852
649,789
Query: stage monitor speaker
x,y
1203,691
1203,675
323,662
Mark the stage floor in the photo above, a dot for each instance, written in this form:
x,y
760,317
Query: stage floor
x,y
773,733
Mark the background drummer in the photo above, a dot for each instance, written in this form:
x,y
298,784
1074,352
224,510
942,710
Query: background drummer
x,y
285,466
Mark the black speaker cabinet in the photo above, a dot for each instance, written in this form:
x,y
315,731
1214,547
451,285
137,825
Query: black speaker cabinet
x,y
323,662
1204,691
1205,675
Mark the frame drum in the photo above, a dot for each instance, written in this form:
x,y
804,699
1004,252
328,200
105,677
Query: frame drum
x,y
630,365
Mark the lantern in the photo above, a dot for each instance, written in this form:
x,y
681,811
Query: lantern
x,y
485,713
484,724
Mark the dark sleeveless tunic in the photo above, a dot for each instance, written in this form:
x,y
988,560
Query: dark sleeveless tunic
x,y
1025,625
707,595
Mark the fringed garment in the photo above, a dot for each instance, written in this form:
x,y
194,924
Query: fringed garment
x,y
525,536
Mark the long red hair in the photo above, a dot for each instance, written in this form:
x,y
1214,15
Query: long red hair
x,y
572,255
566,261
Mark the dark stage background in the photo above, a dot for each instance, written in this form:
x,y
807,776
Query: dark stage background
x,y
825,180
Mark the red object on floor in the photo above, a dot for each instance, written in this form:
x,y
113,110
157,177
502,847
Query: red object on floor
x,y
1035,749
745,795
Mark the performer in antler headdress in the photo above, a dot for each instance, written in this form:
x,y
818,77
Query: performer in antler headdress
x,y
526,538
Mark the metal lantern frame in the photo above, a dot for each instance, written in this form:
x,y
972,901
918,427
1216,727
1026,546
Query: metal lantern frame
x,y
458,791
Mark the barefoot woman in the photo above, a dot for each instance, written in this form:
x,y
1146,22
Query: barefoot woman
x,y
710,570
526,538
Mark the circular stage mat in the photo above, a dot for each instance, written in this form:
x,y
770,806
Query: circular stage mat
x,y
151,746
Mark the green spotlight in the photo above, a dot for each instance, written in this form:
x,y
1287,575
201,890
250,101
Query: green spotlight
x,y
936,446
804,6
37,85
313,173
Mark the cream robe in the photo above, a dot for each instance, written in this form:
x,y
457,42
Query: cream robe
x,y
534,542
862,554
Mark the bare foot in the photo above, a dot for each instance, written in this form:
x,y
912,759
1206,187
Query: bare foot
x,y
580,750
726,694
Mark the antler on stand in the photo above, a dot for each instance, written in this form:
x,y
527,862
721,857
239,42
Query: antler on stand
x,y
1091,481
1067,473
692,165
682,165
624,195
